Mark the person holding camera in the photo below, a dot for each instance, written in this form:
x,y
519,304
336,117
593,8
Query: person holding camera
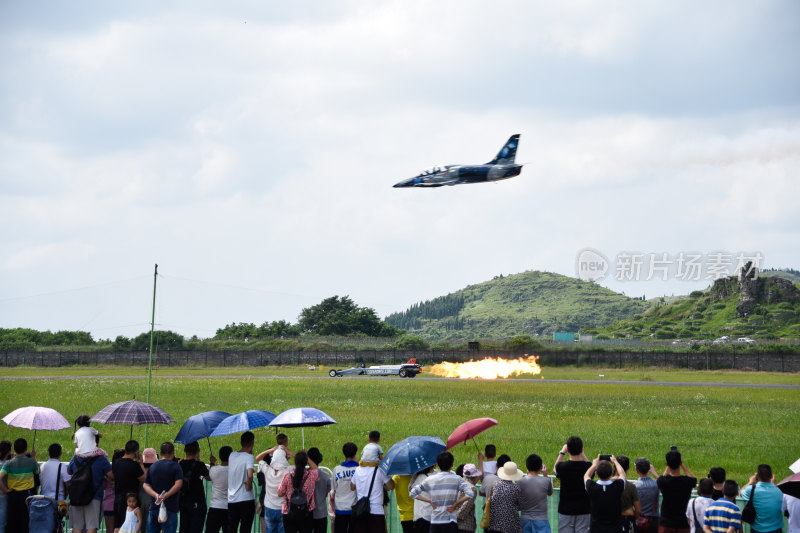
x,y
605,495
573,503
676,490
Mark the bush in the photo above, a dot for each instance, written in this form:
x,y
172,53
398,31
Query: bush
x,y
411,343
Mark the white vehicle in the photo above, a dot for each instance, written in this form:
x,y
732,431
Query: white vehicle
x,y
407,370
722,340
745,340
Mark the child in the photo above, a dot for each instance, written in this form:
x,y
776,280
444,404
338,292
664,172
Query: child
x,y
86,438
488,462
133,516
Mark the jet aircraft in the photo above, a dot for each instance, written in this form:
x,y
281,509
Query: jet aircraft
x,y
500,168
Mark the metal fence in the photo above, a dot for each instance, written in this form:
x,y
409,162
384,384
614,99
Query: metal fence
x,y
702,360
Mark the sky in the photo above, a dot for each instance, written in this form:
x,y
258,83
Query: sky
x,y
249,149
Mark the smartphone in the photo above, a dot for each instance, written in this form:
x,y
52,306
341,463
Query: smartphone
x,y
605,457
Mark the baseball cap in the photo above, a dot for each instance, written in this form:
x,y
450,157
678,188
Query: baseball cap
x,y
149,456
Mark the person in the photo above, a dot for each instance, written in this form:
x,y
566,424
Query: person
x,y
488,461
405,504
54,476
647,488
422,507
273,472
505,500
490,479
446,491
574,510
791,505
241,499
724,516
149,458
322,487
374,438
605,495
133,515
466,511
193,495
343,494
128,476
696,509
5,455
676,489
361,482
87,517
109,494
17,482
86,438
767,499
717,475
163,483
299,479
218,506
629,503
534,489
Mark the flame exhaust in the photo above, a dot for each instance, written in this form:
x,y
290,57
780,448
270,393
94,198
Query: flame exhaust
x,y
489,368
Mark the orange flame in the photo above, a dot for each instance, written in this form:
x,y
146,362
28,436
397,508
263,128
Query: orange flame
x,y
489,368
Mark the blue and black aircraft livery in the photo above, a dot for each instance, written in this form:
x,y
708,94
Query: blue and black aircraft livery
x,y
501,167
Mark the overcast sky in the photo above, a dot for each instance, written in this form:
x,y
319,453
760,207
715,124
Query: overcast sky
x,y
250,148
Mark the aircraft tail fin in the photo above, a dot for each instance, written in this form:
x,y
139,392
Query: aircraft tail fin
x,y
507,154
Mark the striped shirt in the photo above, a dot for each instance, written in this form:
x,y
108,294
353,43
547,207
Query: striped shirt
x,y
19,472
443,489
721,515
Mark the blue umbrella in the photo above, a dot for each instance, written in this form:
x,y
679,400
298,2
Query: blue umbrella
x,y
411,455
243,422
200,426
302,417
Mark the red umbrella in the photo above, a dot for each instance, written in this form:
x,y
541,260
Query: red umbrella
x,y
468,430
791,485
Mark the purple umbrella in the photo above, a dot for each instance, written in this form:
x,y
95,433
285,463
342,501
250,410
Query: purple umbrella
x,y
36,418
133,413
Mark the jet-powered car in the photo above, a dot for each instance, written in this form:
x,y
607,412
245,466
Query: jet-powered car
x,y
406,370
500,168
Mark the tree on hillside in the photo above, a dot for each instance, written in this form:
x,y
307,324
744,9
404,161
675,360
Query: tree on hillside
x,y
341,316
276,329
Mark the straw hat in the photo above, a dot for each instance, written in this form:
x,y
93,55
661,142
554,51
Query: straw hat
x,y
510,472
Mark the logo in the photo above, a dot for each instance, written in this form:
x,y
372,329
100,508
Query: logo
x,y
591,265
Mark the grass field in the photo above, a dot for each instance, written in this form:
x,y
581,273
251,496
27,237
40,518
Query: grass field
x,y
734,428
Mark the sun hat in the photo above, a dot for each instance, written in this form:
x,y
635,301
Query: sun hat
x,y
510,472
470,470
149,456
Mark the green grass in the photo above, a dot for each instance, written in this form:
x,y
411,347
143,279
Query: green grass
x,y
734,428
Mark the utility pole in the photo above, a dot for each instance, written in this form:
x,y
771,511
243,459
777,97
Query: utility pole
x,y
150,362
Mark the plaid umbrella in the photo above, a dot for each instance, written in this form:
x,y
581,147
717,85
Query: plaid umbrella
x,y
133,413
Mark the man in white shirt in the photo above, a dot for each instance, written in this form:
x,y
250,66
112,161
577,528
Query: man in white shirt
x,y
49,475
697,506
241,497
361,482
273,473
343,495
792,505
217,518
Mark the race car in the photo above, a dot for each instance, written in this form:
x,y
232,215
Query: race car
x,y
406,370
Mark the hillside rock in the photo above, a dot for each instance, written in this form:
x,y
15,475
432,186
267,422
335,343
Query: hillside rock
x,y
754,290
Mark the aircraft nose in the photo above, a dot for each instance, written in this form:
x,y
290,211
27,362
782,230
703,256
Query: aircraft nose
x,y
405,183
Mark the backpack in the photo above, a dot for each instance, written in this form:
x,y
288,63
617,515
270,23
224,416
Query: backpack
x,y
298,503
82,489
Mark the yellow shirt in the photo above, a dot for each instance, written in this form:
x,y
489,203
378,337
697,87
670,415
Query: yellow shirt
x,y
405,504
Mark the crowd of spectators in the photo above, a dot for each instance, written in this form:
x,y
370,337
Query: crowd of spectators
x,y
145,492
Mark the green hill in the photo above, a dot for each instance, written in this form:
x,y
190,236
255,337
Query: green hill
x,y
785,273
767,307
527,303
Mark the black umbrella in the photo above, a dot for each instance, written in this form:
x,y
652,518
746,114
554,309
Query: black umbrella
x,y
791,485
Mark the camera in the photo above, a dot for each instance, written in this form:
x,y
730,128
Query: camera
x,y
605,457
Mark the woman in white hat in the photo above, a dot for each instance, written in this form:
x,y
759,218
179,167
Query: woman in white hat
x,y
504,517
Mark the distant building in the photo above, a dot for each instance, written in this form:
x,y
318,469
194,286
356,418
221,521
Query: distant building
x,y
564,336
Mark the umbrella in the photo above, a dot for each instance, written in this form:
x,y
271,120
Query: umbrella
x,y
36,418
133,413
200,426
468,430
302,417
791,485
243,422
411,455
